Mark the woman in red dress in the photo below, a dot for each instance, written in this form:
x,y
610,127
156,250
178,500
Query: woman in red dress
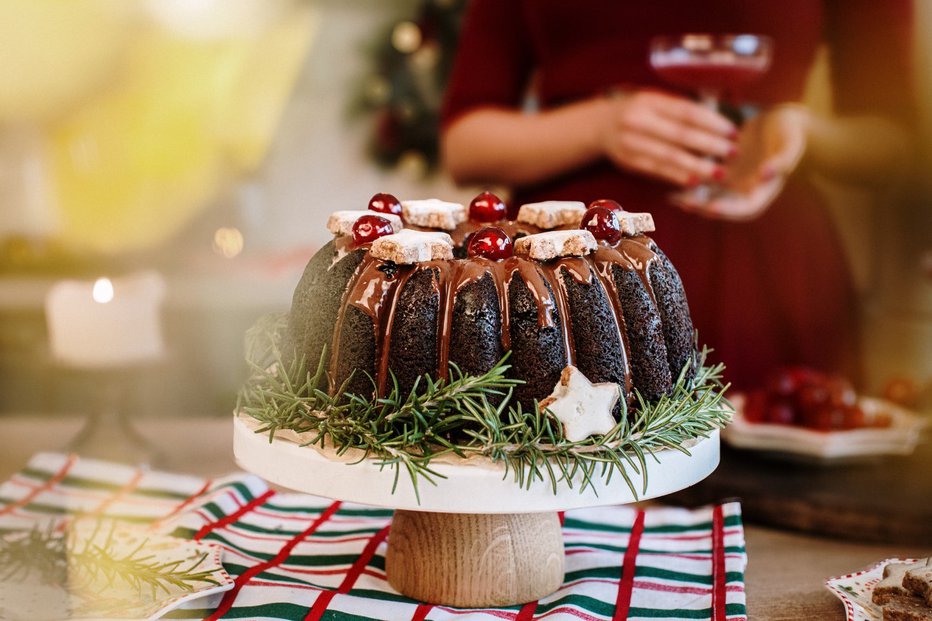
x,y
766,275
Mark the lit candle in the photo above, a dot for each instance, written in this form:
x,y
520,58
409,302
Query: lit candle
x,y
106,323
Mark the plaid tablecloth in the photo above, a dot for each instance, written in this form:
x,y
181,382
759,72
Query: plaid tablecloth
x,y
296,556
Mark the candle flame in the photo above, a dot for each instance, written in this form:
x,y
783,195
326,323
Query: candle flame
x,y
103,290
228,242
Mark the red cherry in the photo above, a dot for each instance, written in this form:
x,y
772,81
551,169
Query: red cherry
x,y
607,203
841,391
369,228
602,223
754,406
826,418
491,243
854,417
805,375
780,413
812,397
902,391
385,203
487,207
878,419
783,382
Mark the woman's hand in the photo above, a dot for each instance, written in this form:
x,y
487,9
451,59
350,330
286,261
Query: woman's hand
x,y
770,148
667,137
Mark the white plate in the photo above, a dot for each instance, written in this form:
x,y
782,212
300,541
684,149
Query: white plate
x,y
898,439
100,598
854,590
470,486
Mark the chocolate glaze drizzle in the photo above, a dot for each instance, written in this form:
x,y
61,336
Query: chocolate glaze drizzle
x,y
375,290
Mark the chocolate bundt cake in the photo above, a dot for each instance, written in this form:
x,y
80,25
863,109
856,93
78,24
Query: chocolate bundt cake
x,y
381,299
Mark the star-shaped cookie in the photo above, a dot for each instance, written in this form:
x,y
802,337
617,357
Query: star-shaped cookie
x,y
584,408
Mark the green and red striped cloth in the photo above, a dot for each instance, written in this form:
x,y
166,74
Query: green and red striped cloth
x,y
295,556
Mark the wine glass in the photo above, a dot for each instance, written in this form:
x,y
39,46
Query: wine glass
x,y
714,66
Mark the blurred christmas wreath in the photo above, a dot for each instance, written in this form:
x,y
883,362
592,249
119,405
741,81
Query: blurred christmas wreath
x,y
403,91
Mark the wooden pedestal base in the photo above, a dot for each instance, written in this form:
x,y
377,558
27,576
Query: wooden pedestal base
x,y
473,560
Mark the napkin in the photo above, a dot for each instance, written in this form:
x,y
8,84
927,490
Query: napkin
x,y
295,556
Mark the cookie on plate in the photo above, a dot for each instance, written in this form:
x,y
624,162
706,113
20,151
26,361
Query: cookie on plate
x,y
892,583
906,608
919,580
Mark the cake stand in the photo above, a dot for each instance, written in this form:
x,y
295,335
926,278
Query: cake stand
x,y
476,538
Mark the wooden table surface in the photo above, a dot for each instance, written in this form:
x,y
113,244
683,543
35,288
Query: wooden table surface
x,y
785,574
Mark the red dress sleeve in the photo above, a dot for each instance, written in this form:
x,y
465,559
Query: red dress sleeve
x,y
871,50
493,61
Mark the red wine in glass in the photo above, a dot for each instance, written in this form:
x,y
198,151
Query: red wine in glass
x,y
700,76
713,66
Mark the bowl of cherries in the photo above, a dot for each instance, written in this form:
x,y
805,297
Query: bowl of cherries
x,y
804,412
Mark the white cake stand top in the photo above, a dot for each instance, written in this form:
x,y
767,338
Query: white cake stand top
x,y
470,486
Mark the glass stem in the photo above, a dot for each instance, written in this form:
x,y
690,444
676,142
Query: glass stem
x,y
709,98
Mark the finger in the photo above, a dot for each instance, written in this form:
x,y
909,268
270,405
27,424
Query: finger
x,y
660,169
690,113
689,137
782,163
742,207
687,207
666,160
774,167
785,147
691,202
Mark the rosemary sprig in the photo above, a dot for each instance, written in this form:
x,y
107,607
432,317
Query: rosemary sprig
x,y
470,416
97,558
39,551
81,559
